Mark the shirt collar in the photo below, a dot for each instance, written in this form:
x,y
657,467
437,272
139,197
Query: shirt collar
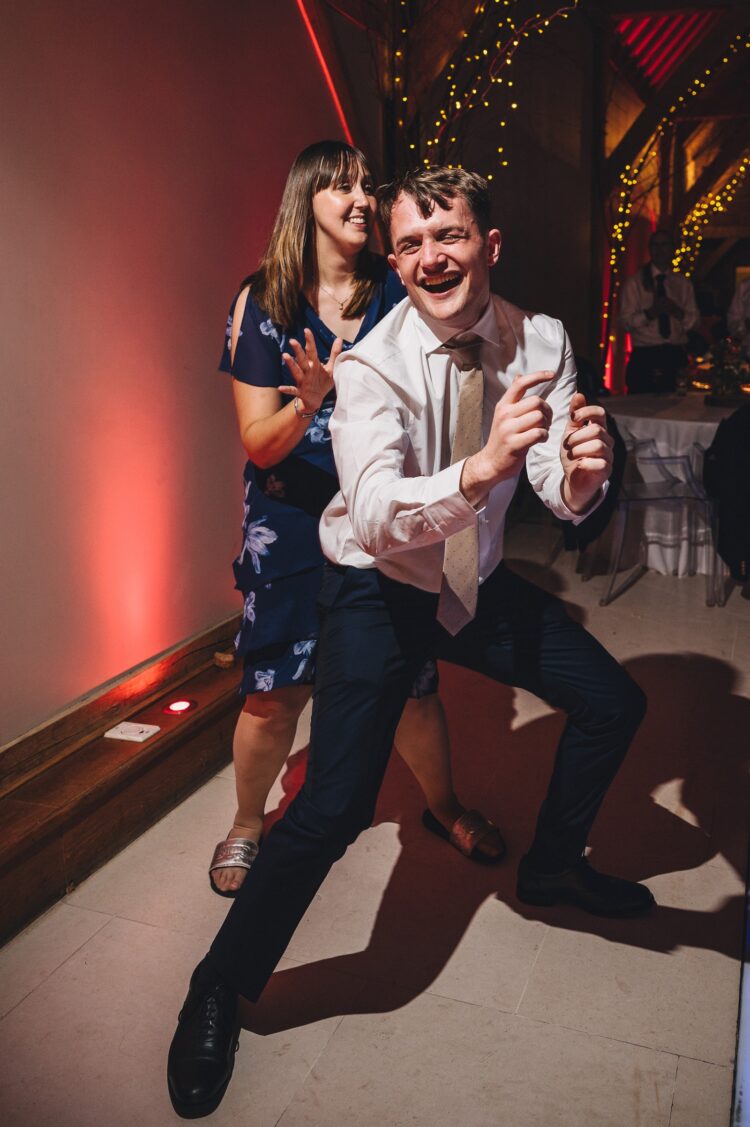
x,y
433,334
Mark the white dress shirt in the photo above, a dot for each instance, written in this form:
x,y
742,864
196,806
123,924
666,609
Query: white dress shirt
x,y
392,429
739,312
636,299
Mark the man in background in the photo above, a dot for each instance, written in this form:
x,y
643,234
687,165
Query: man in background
x,y
738,317
658,309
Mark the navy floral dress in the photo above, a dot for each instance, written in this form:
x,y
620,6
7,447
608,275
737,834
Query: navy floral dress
x,y
280,566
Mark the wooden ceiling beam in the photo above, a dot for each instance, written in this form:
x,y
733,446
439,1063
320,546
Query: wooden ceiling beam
x,y
736,21
729,153
712,116
714,258
626,67
713,231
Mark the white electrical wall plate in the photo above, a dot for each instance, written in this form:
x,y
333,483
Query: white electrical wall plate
x,y
136,733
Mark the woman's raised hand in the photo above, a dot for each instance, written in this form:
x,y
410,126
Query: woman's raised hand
x,y
312,379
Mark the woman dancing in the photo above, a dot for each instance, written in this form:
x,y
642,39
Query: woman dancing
x,y
318,289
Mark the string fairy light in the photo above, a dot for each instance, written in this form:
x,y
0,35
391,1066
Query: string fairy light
x,y
475,73
629,178
488,69
399,65
709,205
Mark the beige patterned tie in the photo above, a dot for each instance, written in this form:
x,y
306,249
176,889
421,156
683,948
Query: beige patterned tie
x,y
457,604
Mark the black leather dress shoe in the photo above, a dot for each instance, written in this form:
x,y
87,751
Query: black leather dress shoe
x,y
583,887
201,1056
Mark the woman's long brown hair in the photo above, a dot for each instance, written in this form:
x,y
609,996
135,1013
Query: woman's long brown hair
x,y
288,264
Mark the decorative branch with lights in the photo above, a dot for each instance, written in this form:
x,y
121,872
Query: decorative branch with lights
x,y
480,67
488,68
713,203
630,178
399,62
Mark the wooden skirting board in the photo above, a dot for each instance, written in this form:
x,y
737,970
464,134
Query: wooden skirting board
x,y
71,798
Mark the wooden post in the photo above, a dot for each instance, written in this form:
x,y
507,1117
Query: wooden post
x,y
666,179
679,185
600,33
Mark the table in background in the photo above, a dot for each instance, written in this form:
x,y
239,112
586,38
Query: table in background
x,y
675,424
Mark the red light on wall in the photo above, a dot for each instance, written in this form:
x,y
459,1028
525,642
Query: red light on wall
x,y
177,707
326,72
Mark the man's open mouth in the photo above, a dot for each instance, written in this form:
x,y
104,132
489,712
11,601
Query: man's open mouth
x,y
442,284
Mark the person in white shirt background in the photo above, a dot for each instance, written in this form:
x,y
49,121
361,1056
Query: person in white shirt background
x,y
738,317
430,435
658,309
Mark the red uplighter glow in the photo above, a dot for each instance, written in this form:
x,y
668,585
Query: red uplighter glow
x,y
326,71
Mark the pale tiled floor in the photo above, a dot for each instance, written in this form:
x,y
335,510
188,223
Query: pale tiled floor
x,y
417,991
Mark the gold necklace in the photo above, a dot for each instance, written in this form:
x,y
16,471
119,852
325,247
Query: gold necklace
x,y
340,304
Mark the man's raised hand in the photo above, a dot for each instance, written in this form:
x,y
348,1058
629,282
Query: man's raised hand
x,y
519,422
586,454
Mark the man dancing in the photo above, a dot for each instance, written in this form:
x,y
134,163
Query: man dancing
x,y
437,412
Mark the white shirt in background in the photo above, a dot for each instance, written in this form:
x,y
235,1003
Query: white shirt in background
x,y
739,312
636,299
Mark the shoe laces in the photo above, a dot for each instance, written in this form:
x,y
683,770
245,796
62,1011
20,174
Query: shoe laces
x,y
210,1015
210,1012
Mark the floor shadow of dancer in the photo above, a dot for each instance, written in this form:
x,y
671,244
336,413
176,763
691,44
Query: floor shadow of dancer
x,y
679,803
431,897
433,894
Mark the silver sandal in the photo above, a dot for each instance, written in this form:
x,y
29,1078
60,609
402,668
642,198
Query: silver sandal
x,y
232,853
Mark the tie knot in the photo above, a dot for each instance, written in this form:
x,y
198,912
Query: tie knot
x,y
465,350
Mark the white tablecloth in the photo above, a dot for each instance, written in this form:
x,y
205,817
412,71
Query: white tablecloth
x,y
674,424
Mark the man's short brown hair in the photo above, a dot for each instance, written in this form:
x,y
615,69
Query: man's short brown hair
x,y
431,187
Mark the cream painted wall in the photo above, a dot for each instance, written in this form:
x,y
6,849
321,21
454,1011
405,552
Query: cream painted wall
x,y
143,148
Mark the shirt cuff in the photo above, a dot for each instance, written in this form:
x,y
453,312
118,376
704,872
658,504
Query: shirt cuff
x,y
577,518
456,504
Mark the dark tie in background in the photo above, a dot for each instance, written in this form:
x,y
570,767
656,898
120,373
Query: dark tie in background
x,y
664,327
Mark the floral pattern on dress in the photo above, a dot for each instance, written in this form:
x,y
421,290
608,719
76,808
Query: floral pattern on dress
x,y
248,617
318,429
264,679
257,541
248,610
268,329
304,649
230,322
